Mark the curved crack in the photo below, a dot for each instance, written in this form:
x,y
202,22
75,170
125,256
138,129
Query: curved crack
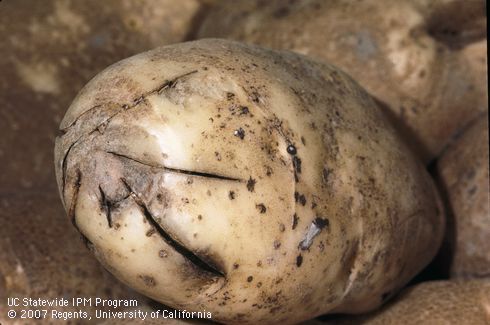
x,y
64,167
178,247
65,129
123,107
106,206
350,265
178,170
72,212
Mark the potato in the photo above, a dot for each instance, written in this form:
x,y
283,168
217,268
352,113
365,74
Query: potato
x,y
258,185
400,51
40,259
463,171
433,303
50,49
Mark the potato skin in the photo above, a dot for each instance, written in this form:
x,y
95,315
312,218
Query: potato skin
x,y
464,177
255,184
397,50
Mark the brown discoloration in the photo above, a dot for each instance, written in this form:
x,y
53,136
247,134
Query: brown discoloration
x,y
148,280
299,260
295,221
261,207
277,244
251,184
300,198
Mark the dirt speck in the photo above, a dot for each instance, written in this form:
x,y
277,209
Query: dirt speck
x,y
299,260
261,207
251,184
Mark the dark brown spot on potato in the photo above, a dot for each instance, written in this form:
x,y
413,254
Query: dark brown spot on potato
x,y
261,207
217,155
250,278
277,244
299,260
251,184
321,222
297,164
150,232
231,195
148,280
268,170
300,198
282,227
244,110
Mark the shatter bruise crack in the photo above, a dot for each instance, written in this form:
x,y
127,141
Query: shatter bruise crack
x,y
72,210
178,247
179,171
64,130
351,263
63,170
135,102
106,206
123,107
